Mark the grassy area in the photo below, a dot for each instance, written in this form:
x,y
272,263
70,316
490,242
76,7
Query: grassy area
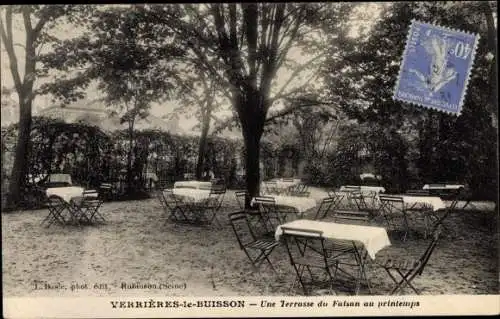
x,y
136,246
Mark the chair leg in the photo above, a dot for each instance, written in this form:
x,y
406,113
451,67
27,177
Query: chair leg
x,y
405,280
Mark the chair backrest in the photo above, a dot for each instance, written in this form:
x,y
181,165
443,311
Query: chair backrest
x,y
324,208
90,194
351,188
217,189
437,185
418,192
430,249
287,179
241,228
265,203
351,216
391,204
241,198
106,190
307,242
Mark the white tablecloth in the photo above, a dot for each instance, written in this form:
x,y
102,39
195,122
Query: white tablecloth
x,y
193,184
436,202
66,193
195,195
443,187
364,189
373,238
369,175
301,204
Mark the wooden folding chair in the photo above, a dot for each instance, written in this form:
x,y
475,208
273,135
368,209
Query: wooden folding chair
x,y
393,208
271,187
257,249
173,209
424,209
324,208
350,253
307,252
255,215
269,210
338,198
241,197
205,212
56,207
87,208
408,269
106,191
300,190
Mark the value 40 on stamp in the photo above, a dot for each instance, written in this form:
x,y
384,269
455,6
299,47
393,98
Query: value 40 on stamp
x,y
436,67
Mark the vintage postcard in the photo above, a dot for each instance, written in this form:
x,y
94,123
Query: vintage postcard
x,y
249,159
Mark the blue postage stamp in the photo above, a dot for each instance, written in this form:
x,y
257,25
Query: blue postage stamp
x,y
436,66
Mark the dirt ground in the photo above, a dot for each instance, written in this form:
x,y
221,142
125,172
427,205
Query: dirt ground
x,y
135,246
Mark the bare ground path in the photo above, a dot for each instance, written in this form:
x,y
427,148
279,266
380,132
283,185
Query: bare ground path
x,y
136,247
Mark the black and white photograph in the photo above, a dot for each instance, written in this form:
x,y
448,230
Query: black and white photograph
x,y
303,151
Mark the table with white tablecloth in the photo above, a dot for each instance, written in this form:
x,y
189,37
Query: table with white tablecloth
x,y
66,193
443,186
72,206
193,184
192,194
435,202
373,238
363,189
281,185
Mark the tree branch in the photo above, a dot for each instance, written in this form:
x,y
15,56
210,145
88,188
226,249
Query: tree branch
x,y
250,18
8,40
289,110
296,72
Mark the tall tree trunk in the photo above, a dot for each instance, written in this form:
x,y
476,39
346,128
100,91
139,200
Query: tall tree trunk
x,y
252,160
129,156
252,117
19,169
203,145
492,47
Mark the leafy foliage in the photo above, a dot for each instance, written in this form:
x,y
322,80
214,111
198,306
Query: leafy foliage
x,y
449,148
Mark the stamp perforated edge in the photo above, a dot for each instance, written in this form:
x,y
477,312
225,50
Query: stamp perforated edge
x,y
469,68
